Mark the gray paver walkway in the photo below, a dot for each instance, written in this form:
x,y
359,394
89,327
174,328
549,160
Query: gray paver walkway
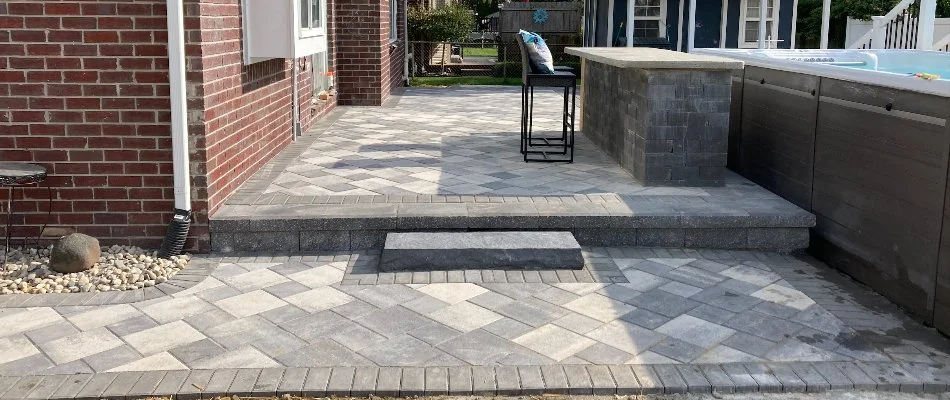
x,y
686,320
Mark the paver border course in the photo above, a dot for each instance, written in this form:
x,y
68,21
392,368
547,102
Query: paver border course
x,y
198,269
800,377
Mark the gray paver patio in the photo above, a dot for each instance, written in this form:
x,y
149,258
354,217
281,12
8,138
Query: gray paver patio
x,y
457,145
434,142
819,321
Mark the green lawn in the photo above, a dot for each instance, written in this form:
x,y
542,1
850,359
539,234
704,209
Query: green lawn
x,y
438,81
475,51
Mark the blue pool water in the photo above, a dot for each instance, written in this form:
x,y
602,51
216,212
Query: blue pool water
x,y
905,70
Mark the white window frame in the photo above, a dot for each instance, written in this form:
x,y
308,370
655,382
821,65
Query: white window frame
x,y
393,21
306,31
744,18
661,19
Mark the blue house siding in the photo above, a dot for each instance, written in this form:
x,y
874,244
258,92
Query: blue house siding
x,y
786,10
732,24
676,31
708,22
708,17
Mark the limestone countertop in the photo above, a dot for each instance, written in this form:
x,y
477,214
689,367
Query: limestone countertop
x,y
649,58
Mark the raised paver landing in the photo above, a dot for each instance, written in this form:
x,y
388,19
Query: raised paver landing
x,y
684,320
449,159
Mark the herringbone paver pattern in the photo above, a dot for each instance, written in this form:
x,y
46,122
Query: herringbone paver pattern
x,y
677,307
442,142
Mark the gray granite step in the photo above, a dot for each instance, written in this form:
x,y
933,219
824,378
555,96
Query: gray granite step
x,y
426,251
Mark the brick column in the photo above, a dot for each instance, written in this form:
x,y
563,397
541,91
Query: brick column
x,y
369,64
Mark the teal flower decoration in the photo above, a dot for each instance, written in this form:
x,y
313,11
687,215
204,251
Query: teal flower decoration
x,y
540,16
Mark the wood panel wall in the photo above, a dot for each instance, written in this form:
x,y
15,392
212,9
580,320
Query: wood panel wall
x,y
778,132
871,163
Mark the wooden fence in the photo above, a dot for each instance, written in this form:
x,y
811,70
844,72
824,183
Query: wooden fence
x,y
562,18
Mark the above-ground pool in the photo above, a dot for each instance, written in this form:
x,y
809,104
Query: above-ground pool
x,y
873,66
852,137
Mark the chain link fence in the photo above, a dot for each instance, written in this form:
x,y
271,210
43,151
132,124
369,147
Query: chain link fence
x,y
475,62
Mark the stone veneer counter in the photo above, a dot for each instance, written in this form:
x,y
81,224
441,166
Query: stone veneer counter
x,y
663,115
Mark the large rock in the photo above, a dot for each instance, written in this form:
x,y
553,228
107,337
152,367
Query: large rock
x,y
74,253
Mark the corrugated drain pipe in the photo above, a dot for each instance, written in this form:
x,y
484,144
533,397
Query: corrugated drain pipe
x,y
178,228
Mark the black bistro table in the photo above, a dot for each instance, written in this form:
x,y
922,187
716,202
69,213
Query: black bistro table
x,y
12,176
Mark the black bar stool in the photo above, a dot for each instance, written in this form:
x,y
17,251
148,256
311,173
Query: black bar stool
x,y
533,147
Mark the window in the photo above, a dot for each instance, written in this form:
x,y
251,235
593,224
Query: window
x,y
393,20
648,16
312,17
749,34
319,70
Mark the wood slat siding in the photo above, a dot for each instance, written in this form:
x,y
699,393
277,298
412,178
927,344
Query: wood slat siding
x,y
876,179
880,179
563,18
778,132
942,278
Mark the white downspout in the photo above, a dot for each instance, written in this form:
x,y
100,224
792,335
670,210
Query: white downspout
x,y
295,124
179,106
177,234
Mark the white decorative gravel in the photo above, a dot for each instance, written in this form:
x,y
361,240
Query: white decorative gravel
x,y
119,268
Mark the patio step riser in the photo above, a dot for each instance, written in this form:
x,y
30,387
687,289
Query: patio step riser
x,y
225,238
443,251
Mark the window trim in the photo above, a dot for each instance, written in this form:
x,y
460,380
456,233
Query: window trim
x,y
308,32
744,18
660,18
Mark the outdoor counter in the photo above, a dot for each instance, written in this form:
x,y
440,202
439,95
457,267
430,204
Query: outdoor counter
x,y
663,115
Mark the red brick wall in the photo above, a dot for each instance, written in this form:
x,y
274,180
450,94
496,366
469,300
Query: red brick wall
x,y
247,117
84,92
369,65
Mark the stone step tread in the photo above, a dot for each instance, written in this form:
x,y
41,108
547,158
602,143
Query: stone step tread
x,y
481,240
427,251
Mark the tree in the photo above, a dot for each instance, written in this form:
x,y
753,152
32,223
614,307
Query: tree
x,y
809,18
482,8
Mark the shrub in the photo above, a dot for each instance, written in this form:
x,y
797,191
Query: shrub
x,y
446,23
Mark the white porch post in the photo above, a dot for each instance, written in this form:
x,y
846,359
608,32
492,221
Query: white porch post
x,y
825,22
679,26
723,24
878,32
763,15
925,25
631,4
691,28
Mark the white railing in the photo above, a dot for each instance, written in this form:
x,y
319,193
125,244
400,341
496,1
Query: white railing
x,y
895,24
943,44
